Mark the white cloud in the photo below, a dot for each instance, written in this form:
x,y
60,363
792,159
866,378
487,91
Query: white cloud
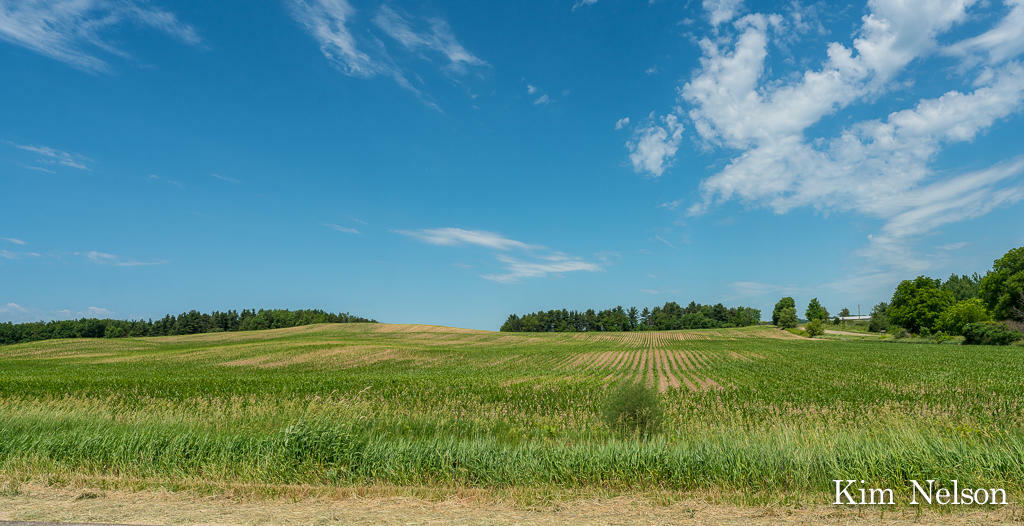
x,y
458,236
225,178
622,123
583,3
653,146
516,269
54,156
14,240
531,89
1002,42
664,241
339,228
438,38
38,169
879,167
543,99
7,254
104,258
94,312
329,21
720,11
651,70
73,31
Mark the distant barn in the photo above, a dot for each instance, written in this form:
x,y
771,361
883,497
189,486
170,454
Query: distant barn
x,y
855,317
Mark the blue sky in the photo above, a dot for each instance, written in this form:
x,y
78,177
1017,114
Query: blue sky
x,y
451,163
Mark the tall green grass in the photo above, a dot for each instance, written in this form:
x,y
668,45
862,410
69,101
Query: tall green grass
x,y
501,411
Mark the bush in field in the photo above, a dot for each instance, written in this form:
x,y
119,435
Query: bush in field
x,y
783,303
633,409
1003,288
815,328
787,318
815,311
990,333
899,332
962,313
917,304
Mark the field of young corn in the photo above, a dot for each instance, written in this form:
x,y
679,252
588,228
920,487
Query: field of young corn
x,y
753,410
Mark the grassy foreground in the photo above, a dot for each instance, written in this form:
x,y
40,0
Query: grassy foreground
x,y
755,411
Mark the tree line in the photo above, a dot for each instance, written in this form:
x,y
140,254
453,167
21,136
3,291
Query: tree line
x,y
985,309
670,316
191,322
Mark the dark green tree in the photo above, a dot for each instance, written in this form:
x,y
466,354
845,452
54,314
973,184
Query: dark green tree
x,y
815,311
917,304
787,318
782,304
963,287
1002,289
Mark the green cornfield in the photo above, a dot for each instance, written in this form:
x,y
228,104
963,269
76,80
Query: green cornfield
x,y
751,411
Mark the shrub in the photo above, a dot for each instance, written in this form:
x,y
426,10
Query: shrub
x,y
633,409
990,333
941,337
899,332
815,328
959,315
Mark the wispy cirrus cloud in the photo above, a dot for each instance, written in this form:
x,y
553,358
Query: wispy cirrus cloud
x,y
459,236
226,179
53,156
14,240
105,258
74,32
339,228
533,261
383,36
516,269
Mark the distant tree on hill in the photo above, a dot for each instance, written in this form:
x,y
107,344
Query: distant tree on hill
x,y
782,304
844,313
191,322
667,317
815,311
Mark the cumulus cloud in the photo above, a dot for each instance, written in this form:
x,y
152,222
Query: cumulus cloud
x,y
880,167
721,11
622,123
75,32
654,145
